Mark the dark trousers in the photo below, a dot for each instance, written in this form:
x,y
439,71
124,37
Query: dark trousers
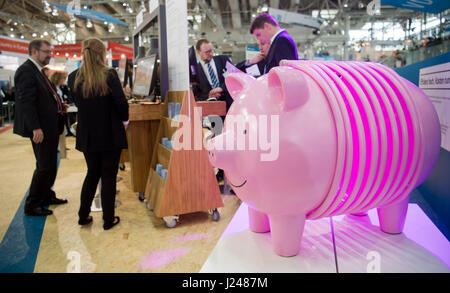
x,y
45,173
69,119
101,165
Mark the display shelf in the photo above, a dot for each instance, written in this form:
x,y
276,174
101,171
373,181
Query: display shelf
x,y
141,136
156,18
147,21
190,185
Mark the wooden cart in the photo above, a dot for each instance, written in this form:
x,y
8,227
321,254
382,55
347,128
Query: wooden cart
x,y
190,185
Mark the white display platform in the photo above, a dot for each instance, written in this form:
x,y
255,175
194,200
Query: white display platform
x,y
360,247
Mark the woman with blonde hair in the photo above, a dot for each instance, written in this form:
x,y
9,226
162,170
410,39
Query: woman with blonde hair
x,y
102,108
58,78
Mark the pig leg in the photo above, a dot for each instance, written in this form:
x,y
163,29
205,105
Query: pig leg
x,y
392,218
259,222
287,231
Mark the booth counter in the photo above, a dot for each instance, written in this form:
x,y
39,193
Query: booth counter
x,y
141,136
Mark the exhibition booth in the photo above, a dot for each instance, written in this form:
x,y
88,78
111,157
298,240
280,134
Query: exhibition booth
x,y
327,157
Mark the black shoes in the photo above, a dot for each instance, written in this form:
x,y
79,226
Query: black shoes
x,y
55,200
38,211
85,221
108,226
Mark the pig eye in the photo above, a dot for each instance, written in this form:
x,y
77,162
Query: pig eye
x,y
245,131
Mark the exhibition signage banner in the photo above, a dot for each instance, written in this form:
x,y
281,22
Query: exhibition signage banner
x,y
70,50
295,18
86,13
251,51
13,46
118,50
435,82
430,6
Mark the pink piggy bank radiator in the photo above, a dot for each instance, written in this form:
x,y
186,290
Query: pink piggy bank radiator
x,y
314,139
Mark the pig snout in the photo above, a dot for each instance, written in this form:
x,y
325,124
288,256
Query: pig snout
x,y
218,156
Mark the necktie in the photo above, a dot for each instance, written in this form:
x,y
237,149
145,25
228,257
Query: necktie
x,y
55,95
214,81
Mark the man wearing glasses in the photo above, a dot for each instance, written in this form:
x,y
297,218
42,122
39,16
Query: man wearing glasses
x,y
39,116
210,69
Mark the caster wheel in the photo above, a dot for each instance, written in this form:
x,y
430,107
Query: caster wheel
x,y
141,196
171,224
171,221
122,167
215,215
147,204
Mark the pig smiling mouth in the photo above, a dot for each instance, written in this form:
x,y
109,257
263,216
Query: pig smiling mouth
x,y
238,185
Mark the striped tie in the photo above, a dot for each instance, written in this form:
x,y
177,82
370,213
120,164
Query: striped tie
x,y
214,81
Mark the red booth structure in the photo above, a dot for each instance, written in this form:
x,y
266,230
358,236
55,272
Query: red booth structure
x,y
73,51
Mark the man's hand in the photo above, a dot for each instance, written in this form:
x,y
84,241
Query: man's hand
x,y
65,107
215,93
256,58
38,135
127,91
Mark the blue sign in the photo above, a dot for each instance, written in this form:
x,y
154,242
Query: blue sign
x,y
86,13
430,6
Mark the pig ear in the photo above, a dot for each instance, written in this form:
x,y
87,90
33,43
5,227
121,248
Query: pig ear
x,y
288,87
236,82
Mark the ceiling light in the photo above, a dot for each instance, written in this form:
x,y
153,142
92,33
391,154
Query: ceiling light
x,y
88,23
11,35
34,35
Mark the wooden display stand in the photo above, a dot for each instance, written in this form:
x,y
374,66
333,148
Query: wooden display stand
x,y
191,184
141,136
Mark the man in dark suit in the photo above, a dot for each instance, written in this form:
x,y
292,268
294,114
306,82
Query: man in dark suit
x,y
259,59
265,28
210,69
39,116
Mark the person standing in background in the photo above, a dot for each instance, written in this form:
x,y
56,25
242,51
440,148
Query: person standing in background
x,y
102,109
39,116
259,59
210,69
265,28
58,78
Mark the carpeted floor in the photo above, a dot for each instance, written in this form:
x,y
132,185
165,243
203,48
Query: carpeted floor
x,y
140,243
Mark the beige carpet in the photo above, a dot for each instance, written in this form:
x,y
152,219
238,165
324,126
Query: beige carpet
x,y
140,243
